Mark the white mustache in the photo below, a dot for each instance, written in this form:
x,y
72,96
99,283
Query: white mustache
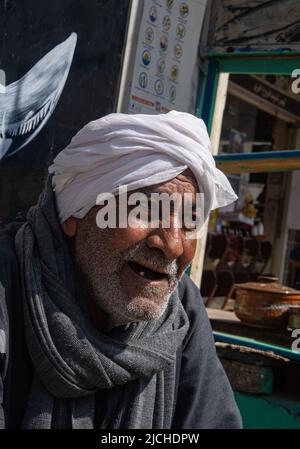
x,y
152,259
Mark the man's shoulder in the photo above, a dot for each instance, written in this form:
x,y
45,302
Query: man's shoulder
x,y
194,307
190,296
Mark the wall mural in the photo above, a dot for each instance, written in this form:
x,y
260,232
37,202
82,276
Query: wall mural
x,y
60,65
267,23
27,104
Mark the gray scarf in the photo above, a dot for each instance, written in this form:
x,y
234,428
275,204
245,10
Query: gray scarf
x,y
134,363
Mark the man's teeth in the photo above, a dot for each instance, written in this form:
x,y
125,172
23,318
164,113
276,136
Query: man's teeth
x,y
145,272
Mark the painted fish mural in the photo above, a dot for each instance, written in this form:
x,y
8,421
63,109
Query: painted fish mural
x,y
27,104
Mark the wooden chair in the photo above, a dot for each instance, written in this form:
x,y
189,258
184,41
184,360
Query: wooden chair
x,y
225,281
208,286
218,249
265,253
239,277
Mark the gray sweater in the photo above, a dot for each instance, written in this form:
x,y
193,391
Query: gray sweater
x,y
204,398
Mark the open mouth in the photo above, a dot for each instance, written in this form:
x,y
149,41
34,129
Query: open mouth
x,y
147,273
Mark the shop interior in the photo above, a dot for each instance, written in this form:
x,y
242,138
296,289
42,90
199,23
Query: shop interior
x,y
256,238
251,271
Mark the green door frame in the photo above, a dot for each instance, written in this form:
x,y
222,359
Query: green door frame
x,y
273,62
279,63
276,414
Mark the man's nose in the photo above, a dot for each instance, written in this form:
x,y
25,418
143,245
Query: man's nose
x,y
169,241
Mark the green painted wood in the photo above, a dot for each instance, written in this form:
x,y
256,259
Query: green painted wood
x,y
259,155
268,412
244,65
248,377
266,161
252,343
266,378
239,53
206,104
279,63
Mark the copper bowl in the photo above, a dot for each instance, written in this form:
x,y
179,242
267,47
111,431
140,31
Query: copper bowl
x,y
265,304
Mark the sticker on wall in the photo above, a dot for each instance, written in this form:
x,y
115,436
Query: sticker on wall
x,y
159,87
163,43
177,51
184,10
166,23
153,14
161,65
174,72
149,35
180,31
146,57
169,4
143,80
22,116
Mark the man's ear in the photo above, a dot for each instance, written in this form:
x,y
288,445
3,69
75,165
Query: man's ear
x,y
70,226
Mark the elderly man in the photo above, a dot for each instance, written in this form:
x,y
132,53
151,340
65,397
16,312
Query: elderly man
x,y
100,327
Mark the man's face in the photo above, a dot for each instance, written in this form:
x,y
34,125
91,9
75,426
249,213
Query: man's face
x,y
128,274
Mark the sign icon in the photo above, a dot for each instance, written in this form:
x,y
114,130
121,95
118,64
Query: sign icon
x,y
174,72
169,4
153,14
161,65
159,87
166,23
164,43
177,51
180,31
149,35
184,10
146,57
143,80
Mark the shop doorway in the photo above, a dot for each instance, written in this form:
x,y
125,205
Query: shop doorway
x,y
259,128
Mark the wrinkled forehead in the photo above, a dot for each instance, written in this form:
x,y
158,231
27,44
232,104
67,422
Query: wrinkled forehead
x,y
188,176
186,181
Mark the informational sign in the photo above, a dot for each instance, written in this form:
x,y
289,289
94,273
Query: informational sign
x,y
166,54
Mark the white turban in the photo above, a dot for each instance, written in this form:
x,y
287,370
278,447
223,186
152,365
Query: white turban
x,y
135,151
